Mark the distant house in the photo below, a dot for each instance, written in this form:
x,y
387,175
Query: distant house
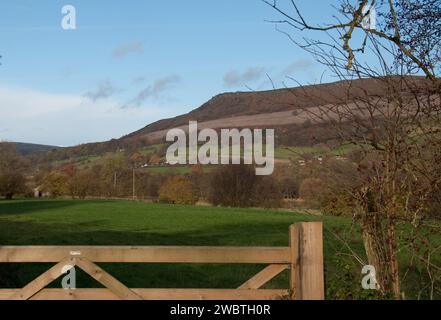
x,y
38,193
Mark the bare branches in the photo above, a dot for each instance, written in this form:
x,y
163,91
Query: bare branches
x,y
356,20
392,118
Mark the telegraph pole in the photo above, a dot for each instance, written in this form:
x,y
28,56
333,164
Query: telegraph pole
x,y
135,158
133,187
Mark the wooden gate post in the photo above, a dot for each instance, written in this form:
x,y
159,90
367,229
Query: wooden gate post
x,y
307,279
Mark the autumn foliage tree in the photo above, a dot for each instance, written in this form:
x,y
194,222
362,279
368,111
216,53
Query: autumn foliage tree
x,y
55,183
178,190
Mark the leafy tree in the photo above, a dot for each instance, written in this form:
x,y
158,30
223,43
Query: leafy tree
x,y
55,183
178,190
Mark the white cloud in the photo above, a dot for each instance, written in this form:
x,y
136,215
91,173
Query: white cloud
x,y
104,90
127,48
153,91
300,65
25,103
61,119
234,77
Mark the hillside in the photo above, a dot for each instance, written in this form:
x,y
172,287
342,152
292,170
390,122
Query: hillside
x,y
280,109
30,148
245,105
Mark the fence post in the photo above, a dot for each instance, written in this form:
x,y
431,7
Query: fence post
x,y
307,279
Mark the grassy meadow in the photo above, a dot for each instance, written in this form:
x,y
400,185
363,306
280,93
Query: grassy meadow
x,y
69,222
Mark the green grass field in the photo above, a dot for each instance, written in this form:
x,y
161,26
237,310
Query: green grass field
x,y
57,222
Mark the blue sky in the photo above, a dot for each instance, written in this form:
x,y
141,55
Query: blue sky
x,y
132,62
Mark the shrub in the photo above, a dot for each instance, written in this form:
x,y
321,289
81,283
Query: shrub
x,y
178,190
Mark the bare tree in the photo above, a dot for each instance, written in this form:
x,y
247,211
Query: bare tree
x,y
392,118
12,166
413,27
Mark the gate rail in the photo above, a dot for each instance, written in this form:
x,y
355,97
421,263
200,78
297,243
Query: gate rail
x,y
304,259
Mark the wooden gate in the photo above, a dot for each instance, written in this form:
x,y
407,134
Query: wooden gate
x,y
304,259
